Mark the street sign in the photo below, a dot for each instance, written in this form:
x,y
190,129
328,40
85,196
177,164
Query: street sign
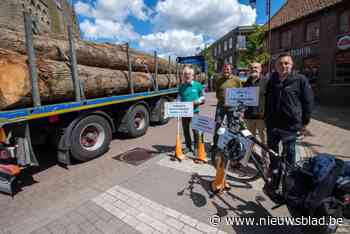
x,y
344,43
249,96
178,109
203,124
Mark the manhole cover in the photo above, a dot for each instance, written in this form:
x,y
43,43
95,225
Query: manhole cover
x,y
135,156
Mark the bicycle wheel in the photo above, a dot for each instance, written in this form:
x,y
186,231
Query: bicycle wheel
x,y
250,172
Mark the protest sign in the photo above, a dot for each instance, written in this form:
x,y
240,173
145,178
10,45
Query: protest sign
x,y
178,109
203,124
249,96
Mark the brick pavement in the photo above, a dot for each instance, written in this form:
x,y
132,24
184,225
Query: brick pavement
x,y
62,201
330,129
147,216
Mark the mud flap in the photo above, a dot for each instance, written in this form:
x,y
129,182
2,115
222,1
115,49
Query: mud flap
x,y
63,146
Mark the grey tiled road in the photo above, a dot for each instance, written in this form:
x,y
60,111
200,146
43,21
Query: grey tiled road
x,y
62,201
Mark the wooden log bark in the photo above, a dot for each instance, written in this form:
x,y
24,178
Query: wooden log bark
x,y
56,85
105,55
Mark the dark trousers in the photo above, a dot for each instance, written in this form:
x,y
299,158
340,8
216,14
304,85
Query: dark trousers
x,y
274,139
186,127
220,114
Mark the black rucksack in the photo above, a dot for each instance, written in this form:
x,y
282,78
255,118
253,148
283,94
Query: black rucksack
x,y
301,193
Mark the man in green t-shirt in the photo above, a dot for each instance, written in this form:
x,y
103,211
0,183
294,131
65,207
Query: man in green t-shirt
x,y
190,91
222,83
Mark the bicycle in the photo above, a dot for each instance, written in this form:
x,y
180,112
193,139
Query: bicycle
x,y
247,171
279,175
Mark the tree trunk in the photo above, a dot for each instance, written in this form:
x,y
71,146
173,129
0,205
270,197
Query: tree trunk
x,y
106,55
56,85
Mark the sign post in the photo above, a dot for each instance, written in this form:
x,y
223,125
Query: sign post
x,y
177,110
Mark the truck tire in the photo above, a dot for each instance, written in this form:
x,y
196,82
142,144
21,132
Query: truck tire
x,y
137,121
90,138
162,120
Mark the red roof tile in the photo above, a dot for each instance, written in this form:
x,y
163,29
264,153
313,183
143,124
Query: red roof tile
x,y
296,9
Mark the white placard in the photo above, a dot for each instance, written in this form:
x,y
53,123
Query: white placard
x,y
203,124
178,109
249,96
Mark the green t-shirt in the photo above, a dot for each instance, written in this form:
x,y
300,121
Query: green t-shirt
x,y
191,92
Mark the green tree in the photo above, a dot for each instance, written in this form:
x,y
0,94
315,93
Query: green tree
x,y
256,52
210,61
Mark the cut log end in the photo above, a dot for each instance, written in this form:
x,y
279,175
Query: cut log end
x,y
14,84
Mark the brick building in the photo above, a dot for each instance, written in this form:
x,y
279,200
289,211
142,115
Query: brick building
x,y
317,34
230,47
49,16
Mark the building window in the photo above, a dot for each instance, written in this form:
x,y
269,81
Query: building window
x,y
342,68
219,49
241,42
230,43
225,45
231,59
313,31
286,39
214,51
344,20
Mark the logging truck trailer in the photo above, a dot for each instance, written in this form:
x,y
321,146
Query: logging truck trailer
x,y
81,129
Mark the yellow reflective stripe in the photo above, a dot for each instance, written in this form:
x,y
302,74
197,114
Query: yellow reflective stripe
x,y
2,135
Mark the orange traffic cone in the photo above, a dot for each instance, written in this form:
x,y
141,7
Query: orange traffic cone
x,y
219,184
201,154
178,148
2,135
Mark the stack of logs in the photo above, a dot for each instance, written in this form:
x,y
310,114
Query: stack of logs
x,y
102,69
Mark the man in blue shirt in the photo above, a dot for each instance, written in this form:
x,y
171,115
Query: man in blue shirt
x,y
190,91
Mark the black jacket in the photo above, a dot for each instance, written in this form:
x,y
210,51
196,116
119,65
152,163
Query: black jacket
x,y
288,103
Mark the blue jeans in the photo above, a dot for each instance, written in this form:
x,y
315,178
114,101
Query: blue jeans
x,y
274,139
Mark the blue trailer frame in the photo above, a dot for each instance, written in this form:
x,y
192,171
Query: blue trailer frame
x,y
26,114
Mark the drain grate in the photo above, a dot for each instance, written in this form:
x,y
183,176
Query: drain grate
x,y
135,156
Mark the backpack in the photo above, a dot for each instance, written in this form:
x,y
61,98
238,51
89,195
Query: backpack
x,y
302,193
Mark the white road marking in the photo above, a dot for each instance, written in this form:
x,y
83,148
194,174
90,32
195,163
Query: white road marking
x,y
147,216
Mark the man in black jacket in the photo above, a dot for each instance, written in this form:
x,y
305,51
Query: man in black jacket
x,y
289,100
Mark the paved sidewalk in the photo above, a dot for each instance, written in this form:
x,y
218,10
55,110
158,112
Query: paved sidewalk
x,y
330,129
159,196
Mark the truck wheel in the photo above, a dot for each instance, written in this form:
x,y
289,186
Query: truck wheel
x,y
162,120
90,138
138,121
